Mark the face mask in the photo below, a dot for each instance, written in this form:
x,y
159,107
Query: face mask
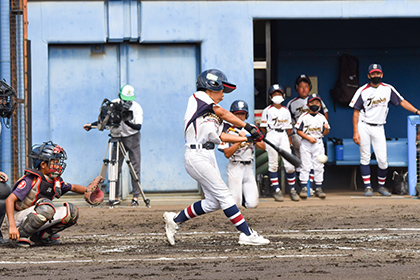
x,y
314,108
277,99
375,80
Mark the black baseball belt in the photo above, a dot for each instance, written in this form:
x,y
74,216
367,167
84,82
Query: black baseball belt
x,y
372,124
246,162
207,146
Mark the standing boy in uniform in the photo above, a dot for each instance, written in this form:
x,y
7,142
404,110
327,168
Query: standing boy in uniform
x,y
240,170
203,124
276,123
311,127
371,105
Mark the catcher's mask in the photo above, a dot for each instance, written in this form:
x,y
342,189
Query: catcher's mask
x,y
7,103
51,153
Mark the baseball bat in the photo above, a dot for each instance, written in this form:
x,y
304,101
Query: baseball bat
x,y
287,156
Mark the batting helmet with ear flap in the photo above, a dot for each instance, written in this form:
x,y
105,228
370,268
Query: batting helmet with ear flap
x,y
239,106
214,80
303,78
274,88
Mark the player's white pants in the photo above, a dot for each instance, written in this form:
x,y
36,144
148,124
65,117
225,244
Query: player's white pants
x,y
202,166
308,154
241,182
60,213
281,140
374,135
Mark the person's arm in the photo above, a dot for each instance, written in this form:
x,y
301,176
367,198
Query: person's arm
x,y
356,136
3,177
326,129
263,130
228,116
88,126
326,115
407,105
307,137
260,145
225,137
10,210
78,188
231,150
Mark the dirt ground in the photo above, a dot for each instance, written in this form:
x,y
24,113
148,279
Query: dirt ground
x,y
345,236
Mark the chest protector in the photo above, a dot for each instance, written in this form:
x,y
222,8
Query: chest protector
x,y
41,188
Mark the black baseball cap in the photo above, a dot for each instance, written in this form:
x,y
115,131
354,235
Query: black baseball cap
x,y
374,68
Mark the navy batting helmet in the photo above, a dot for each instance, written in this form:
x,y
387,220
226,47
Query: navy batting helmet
x,y
239,106
48,151
314,96
303,78
214,80
274,88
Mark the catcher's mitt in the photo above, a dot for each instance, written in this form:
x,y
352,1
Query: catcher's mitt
x,y
93,194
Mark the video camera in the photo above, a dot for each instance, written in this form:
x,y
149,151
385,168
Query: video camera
x,y
112,113
7,103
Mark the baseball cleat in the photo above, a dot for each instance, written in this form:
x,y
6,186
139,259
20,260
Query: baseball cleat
x,y
384,191
368,191
134,202
303,193
278,195
253,239
319,193
170,226
293,195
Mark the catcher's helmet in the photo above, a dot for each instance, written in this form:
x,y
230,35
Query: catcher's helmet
x,y
214,80
127,93
7,104
274,88
303,78
48,151
239,106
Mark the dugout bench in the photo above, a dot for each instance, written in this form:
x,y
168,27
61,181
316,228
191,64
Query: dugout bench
x,y
397,149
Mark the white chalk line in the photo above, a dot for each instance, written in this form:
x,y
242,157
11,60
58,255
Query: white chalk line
x,y
175,259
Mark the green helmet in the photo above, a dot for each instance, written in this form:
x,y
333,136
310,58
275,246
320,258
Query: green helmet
x,y
127,93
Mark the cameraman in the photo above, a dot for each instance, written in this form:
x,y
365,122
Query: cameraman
x,y
130,137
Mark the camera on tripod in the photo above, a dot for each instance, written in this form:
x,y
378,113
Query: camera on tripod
x,y
7,103
111,114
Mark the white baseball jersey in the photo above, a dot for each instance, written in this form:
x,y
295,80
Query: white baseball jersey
x,y
245,153
312,125
273,118
373,103
299,106
137,118
199,127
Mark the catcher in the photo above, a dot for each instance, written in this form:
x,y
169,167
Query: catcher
x,y
32,217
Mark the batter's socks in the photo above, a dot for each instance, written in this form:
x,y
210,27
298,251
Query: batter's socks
x,y
190,212
382,173
365,171
235,216
291,180
274,179
311,179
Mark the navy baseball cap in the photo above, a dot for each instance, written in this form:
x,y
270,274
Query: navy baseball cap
x,y
374,67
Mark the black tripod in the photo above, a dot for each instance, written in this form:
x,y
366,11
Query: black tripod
x,y
112,162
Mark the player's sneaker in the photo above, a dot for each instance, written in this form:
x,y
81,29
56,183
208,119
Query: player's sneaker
x,y
303,193
134,202
51,241
278,195
319,193
21,242
170,226
368,191
293,195
253,239
384,191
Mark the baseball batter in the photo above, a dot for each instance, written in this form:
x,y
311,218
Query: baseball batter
x,y
276,123
312,126
240,169
204,128
371,105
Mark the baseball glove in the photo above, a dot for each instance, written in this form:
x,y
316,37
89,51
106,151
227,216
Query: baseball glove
x,y
93,194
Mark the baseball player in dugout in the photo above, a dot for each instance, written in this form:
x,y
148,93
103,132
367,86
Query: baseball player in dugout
x,y
130,138
311,127
297,107
370,104
204,129
32,217
240,169
276,124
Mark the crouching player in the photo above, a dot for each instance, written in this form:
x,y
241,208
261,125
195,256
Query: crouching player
x,y
32,217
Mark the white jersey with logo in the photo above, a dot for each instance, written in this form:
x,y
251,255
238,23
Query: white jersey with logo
x,y
373,103
200,123
312,125
244,153
273,118
299,106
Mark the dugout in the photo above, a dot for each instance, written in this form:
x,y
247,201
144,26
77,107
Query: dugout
x,y
285,48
